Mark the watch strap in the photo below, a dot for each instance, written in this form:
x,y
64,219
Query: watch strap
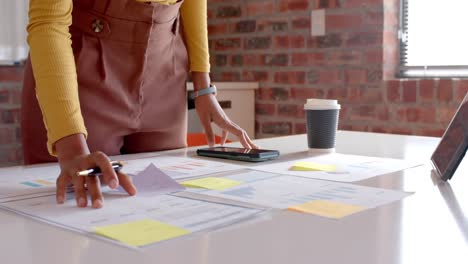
x,y
198,93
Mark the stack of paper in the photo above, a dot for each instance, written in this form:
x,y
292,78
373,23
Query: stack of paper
x,y
152,215
162,208
324,198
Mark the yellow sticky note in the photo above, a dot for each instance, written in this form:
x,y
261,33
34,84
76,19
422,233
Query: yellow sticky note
x,y
325,208
312,166
212,183
140,233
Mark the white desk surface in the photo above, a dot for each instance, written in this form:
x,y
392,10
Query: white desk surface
x,y
430,226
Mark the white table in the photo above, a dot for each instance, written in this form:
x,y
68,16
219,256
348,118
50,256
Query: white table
x,y
430,226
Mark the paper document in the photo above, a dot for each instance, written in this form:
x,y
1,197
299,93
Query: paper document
x,y
339,167
178,167
285,191
24,182
172,214
27,182
152,181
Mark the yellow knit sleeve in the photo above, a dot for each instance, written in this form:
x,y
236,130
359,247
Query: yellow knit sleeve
x,y
54,68
194,18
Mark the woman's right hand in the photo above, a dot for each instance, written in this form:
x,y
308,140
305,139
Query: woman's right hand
x,y
74,156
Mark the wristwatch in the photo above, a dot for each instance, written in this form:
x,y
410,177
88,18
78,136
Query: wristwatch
x,y
209,90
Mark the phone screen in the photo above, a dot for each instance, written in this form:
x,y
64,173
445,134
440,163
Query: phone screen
x,y
454,143
239,150
242,154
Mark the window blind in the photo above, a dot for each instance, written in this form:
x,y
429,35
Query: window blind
x,y
433,38
13,22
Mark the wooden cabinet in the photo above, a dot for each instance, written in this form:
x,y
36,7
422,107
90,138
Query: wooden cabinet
x,y
238,101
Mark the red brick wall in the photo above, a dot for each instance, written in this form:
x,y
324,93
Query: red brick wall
x,y
10,104
355,62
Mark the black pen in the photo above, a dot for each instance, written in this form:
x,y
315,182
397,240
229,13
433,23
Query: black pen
x,y
96,171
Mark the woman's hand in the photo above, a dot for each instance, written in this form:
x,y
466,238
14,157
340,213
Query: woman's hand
x,y
209,110
74,156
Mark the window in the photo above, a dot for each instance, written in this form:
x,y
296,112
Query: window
x,y
433,38
13,21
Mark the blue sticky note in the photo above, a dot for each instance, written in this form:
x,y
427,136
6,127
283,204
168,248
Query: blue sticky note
x,y
31,184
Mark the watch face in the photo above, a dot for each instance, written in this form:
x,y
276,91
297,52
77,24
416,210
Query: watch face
x,y
453,144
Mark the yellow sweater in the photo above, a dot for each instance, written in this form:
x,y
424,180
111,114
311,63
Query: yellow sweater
x,y
54,65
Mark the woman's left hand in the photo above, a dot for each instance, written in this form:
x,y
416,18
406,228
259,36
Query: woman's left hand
x,y
209,110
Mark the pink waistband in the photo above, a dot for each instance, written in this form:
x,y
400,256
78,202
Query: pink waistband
x,y
114,24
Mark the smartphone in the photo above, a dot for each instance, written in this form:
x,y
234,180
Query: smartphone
x,y
242,154
453,145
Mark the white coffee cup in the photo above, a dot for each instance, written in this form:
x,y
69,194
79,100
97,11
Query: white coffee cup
x,y
322,123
